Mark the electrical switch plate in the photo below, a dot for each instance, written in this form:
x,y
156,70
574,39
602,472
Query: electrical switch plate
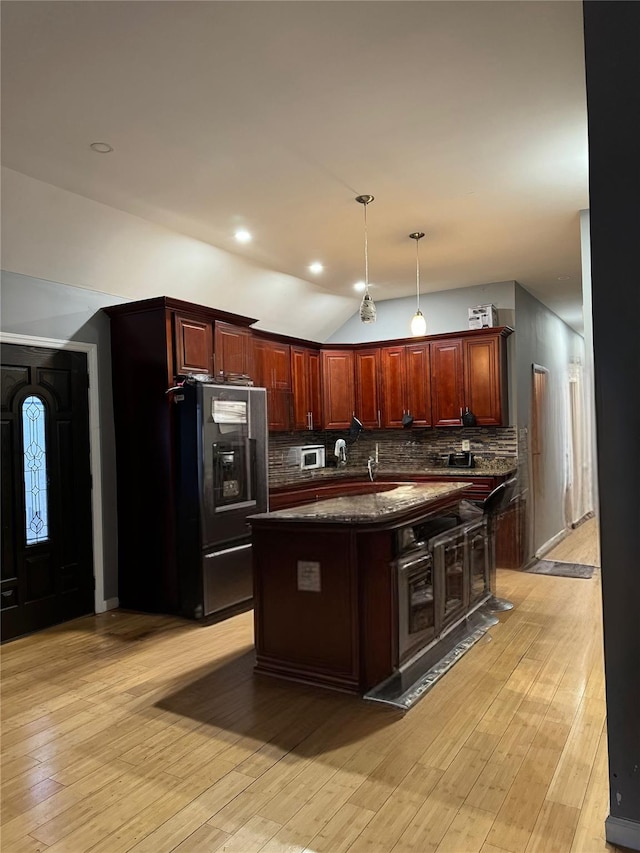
x,y
466,444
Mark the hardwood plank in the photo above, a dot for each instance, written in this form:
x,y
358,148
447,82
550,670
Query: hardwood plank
x,y
554,829
344,827
467,831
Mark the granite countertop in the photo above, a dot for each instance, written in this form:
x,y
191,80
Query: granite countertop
x,y
501,468
382,505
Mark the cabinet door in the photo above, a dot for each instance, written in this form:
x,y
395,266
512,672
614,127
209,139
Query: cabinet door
x,y
272,370
393,386
300,389
194,345
338,390
447,384
315,389
305,388
232,350
484,380
366,365
418,383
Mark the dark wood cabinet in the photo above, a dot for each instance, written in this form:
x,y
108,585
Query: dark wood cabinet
x,y
338,388
485,379
233,351
393,370
447,387
367,387
193,344
152,340
306,388
418,361
272,370
406,384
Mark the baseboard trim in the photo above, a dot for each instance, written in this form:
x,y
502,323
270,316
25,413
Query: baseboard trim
x,y
582,520
622,832
111,604
551,543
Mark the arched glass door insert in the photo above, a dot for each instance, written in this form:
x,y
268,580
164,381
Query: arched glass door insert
x,y
36,497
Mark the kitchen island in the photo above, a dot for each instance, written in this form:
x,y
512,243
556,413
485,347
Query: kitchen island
x,y
348,589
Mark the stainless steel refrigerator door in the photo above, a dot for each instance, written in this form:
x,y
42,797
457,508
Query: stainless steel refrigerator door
x,y
228,578
233,449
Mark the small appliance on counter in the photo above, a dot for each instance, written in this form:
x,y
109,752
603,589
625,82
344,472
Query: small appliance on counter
x,y
307,457
312,456
465,459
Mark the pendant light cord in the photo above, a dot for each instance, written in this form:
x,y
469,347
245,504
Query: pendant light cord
x,y
417,276
366,253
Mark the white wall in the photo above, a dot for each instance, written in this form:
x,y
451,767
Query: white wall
x,y
54,235
544,339
444,311
587,308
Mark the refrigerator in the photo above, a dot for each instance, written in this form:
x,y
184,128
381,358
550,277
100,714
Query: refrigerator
x,y
221,437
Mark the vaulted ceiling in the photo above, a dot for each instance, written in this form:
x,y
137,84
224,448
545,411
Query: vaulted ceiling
x,y
466,120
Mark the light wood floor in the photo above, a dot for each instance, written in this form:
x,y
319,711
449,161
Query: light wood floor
x,y
139,733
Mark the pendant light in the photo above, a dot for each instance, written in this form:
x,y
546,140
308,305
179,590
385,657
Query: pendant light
x,y
367,306
418,323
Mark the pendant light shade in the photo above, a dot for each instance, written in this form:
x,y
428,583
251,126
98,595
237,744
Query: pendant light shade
x,y
418,323
367,306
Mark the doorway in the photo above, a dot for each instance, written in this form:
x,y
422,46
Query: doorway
x,y
47,545
539,425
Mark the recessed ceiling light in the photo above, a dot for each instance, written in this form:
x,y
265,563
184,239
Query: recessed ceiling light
x,y
101,147
243,236
563,278
316,267
359,285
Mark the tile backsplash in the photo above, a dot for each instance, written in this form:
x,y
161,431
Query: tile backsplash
x,y
424,448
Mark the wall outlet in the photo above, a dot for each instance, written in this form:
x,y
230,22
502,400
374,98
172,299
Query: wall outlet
x,y
466,444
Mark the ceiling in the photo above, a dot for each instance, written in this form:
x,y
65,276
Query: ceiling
x,y
466,120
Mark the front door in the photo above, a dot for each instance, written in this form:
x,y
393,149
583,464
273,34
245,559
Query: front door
x,y
47,559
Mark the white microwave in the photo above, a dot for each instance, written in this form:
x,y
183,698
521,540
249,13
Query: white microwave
x,y
312,456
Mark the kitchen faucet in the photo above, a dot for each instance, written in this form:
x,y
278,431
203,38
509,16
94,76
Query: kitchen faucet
x,y
372,467
372,464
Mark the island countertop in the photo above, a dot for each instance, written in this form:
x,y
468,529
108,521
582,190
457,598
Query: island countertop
x,y
386,502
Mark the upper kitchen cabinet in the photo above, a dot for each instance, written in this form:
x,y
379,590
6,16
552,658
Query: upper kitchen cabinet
x,y
193,344
306,388
272,370
470,370
406,385
485,378
367,387
338,388
447,382
233,352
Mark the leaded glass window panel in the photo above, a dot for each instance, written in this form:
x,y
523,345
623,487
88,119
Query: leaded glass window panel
x,y
35,470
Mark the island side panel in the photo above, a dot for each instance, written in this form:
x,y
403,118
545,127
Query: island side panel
x,y
306,634
378,607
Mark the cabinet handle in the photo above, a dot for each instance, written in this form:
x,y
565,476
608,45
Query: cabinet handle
x,y
379,420
311,420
